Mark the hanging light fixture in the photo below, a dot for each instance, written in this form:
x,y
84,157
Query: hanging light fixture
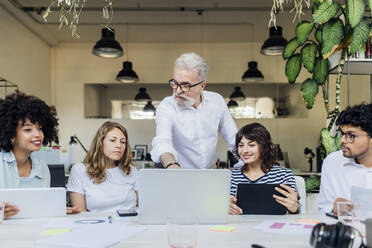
x,y
142,95
237,95
252,74
149,107
232,104
127,74
274,45
107,46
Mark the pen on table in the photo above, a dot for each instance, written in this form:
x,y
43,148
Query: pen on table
x,y
332,216
109,219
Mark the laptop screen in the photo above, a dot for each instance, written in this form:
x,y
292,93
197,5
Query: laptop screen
x,y
201,194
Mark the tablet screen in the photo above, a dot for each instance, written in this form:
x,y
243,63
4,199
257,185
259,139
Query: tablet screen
x,y
258,199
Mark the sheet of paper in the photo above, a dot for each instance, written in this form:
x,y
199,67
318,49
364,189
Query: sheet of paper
x,y
93,236
71,223
281,227
362,200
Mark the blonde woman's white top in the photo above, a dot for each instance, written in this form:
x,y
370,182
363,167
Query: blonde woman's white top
x,y
118,191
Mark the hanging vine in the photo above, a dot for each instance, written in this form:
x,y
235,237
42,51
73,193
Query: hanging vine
x,y
70,10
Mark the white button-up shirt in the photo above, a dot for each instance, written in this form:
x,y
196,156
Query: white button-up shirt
x,y
339,174
190,134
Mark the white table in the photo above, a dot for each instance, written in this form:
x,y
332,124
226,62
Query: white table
x,y
24,233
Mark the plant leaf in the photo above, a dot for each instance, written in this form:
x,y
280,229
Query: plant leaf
x,y
309,90
325,11
360,36
332,35
355,11
318,34
308,54
320,70
289,48
328,141
303,30
293,67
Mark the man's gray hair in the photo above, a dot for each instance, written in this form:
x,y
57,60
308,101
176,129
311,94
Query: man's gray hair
x,y
192,61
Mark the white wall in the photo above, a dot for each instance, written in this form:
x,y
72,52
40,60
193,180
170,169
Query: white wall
x,y
74,65
24,58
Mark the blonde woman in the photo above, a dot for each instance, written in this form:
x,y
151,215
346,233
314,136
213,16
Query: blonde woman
x,y
106,180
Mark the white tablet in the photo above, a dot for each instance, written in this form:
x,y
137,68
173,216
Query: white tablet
x,y
36,202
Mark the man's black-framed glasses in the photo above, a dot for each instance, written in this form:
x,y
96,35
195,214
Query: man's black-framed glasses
x,y
348,136
184,86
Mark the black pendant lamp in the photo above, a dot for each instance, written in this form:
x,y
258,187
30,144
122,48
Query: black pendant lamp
x,y
107,46
232,104
237,95
149,107
252,74
127,74
142,95
274,45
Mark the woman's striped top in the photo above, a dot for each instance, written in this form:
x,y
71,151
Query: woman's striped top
x,y
277,175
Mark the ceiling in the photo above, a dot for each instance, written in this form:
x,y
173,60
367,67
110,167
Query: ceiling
x,y
139,13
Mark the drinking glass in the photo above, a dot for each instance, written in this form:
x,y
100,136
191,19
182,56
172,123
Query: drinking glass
x,y
346,212
182,232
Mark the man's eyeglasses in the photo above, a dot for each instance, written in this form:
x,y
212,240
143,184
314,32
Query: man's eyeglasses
x,y
348,136
184,86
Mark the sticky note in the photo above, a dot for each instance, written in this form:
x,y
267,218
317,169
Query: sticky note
x,y
308,221
222,228
50,232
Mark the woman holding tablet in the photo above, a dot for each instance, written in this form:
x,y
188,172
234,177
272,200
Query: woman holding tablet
x,y
106,180
26,123
253,145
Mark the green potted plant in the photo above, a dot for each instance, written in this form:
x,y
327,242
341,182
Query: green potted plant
x,y
312,184
342,28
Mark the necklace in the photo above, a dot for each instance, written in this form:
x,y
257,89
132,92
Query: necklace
x,y
25,170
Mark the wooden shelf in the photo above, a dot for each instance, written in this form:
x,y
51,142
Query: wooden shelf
x,y
357,67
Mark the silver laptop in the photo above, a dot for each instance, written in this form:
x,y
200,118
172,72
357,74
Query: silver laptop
x,y
36,202
200,194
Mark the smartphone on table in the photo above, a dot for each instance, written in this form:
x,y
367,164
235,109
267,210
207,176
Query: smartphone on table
x,y
126,212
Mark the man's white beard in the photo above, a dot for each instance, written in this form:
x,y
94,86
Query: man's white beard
x,y
187,102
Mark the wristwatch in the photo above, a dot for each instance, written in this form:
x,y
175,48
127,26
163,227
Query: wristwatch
x,y
173,163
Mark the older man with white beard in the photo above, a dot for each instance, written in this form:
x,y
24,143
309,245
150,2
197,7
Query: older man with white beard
x,y
188,122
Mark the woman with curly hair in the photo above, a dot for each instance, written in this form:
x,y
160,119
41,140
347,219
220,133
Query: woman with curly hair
x,y
253,145
26,123
106,180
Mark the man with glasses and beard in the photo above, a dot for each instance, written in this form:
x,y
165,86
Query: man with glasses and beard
x,y
352,166
188,122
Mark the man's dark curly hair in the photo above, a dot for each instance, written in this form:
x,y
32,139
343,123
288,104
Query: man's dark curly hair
x,y
19,107
357,116
257,132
